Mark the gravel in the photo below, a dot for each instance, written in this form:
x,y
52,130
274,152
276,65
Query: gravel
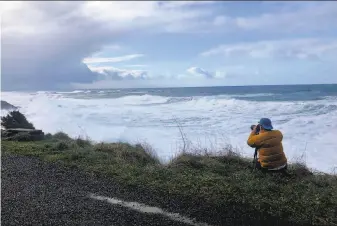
x,y
39,193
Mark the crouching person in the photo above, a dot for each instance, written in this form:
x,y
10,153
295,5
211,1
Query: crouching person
x,y
268,144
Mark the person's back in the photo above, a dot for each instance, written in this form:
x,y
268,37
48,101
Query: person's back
x,y
269,143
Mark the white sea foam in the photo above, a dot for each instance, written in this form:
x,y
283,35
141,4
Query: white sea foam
x,y
309,127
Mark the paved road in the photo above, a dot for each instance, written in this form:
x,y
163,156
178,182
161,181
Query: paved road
x,y
37,193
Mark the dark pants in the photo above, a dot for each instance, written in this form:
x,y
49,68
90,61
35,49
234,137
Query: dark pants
x,y
265,170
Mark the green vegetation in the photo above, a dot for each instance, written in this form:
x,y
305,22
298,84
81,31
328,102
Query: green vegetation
x,y
15,119
226,180
225,183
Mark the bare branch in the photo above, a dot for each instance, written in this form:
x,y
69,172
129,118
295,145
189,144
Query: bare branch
x,y
183,135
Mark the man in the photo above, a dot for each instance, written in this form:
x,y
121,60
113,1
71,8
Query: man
x,y
268,143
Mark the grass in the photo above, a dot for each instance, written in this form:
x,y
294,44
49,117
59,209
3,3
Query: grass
x,y
224,181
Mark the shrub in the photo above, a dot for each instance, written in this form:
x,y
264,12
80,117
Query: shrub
x,y
128,153
15,119
82,142
5,134
48,136
300,170
61,136
187,160
61,146
21,137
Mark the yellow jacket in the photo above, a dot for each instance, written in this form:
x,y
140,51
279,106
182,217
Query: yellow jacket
x,y
270,149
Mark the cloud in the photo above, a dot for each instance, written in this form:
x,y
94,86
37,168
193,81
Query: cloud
x,y
112,77
224,73
136,65
159,16
200,72
307,16
113,47
285,18
92,60
112,73
285,49
253,74
43,43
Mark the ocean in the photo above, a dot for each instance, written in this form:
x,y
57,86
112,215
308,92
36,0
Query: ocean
x,y
210,117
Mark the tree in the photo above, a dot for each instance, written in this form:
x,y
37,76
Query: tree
x,y
16,119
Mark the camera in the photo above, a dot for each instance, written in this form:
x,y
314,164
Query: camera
x,y
257,129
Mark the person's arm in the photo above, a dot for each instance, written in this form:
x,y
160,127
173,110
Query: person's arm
x,y
254,140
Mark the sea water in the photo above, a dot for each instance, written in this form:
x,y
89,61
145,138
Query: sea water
x,y
209,117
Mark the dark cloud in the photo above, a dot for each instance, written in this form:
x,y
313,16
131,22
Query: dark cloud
x,y
53,59
43,43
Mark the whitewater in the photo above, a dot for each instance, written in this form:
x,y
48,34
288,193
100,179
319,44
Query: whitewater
x,y
309,125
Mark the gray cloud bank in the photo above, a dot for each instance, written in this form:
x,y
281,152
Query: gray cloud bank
x,y
43,43
47,54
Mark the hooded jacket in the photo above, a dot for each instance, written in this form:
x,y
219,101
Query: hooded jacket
x,y
270,149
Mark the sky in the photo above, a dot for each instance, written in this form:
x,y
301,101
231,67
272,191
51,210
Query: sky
x,y
101,45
